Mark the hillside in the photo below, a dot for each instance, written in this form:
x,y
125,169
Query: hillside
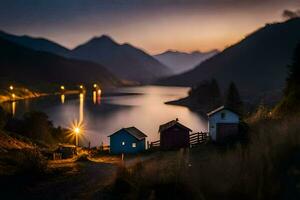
x,y
38,44
8,142
125,60
257,64
27,66
180,62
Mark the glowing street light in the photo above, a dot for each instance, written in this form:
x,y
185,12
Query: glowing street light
x,y
76,131
81,86
95,85
11,87
62,87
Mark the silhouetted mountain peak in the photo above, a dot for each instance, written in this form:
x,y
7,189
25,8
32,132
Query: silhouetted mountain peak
x,y
103,39
125,60
103,42
182,61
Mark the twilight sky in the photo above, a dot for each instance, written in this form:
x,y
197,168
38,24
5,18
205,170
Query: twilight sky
x,y
153,25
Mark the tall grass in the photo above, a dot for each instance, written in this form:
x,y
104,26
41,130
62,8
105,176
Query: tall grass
x,y
30,162
253,171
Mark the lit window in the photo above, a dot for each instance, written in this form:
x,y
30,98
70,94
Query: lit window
x,y
133,145
123,143
223,115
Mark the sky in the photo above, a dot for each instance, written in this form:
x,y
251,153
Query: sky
x,y
152,25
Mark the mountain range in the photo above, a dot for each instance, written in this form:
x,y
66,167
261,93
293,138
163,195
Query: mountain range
x,y
257,64
124,60
180,62
35,68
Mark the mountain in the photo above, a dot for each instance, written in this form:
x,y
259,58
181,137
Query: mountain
x,y
257,64
125,60
38,44
27,66
180,62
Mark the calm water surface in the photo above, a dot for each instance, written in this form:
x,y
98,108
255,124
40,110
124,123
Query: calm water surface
x,y
142,107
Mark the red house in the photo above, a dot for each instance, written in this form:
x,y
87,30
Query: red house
x,y
174,135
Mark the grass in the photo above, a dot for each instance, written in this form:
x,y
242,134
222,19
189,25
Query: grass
x,y
265,168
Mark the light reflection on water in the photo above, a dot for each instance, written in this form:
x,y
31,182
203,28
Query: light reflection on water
x,y
94,97
142,107
62,98
81,106
13,108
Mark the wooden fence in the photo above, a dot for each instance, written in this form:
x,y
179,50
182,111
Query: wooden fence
x,y
195,139
154,145
198,138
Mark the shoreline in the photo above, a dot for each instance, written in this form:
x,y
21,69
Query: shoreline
x,y
32,95
186,102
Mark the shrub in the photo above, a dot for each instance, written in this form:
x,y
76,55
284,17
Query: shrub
x,y
30,162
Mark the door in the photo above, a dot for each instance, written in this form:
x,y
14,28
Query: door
x,y
226,131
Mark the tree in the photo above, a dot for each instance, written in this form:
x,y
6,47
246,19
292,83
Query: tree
x,y
233,99
206,95
38,126
290,103
215,93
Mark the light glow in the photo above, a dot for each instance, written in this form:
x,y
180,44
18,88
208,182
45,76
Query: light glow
x,y
94,97
81,107
62,98
13,108
76,130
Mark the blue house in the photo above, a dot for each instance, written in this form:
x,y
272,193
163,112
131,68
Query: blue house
x,y
127,140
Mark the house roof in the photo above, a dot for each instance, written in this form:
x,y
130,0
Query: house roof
x,y
170,124
134,132
219,109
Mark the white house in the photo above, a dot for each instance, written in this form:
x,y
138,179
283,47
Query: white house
x,y
222,122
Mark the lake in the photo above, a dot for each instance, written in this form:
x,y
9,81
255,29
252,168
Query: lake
x,y
142,107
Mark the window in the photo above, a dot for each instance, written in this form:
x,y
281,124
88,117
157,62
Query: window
x,y
133,145
123,143
223,115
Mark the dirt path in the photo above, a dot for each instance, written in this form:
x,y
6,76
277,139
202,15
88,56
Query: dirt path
x,y
80,182
72,180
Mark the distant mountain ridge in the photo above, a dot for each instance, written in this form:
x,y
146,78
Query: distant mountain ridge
x,y
23,65
257,64
125,60
38,44
180,62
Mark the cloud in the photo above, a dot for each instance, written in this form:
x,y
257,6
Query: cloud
x,y
289,14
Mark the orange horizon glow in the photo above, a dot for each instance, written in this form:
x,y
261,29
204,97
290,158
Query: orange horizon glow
x,y
157,26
